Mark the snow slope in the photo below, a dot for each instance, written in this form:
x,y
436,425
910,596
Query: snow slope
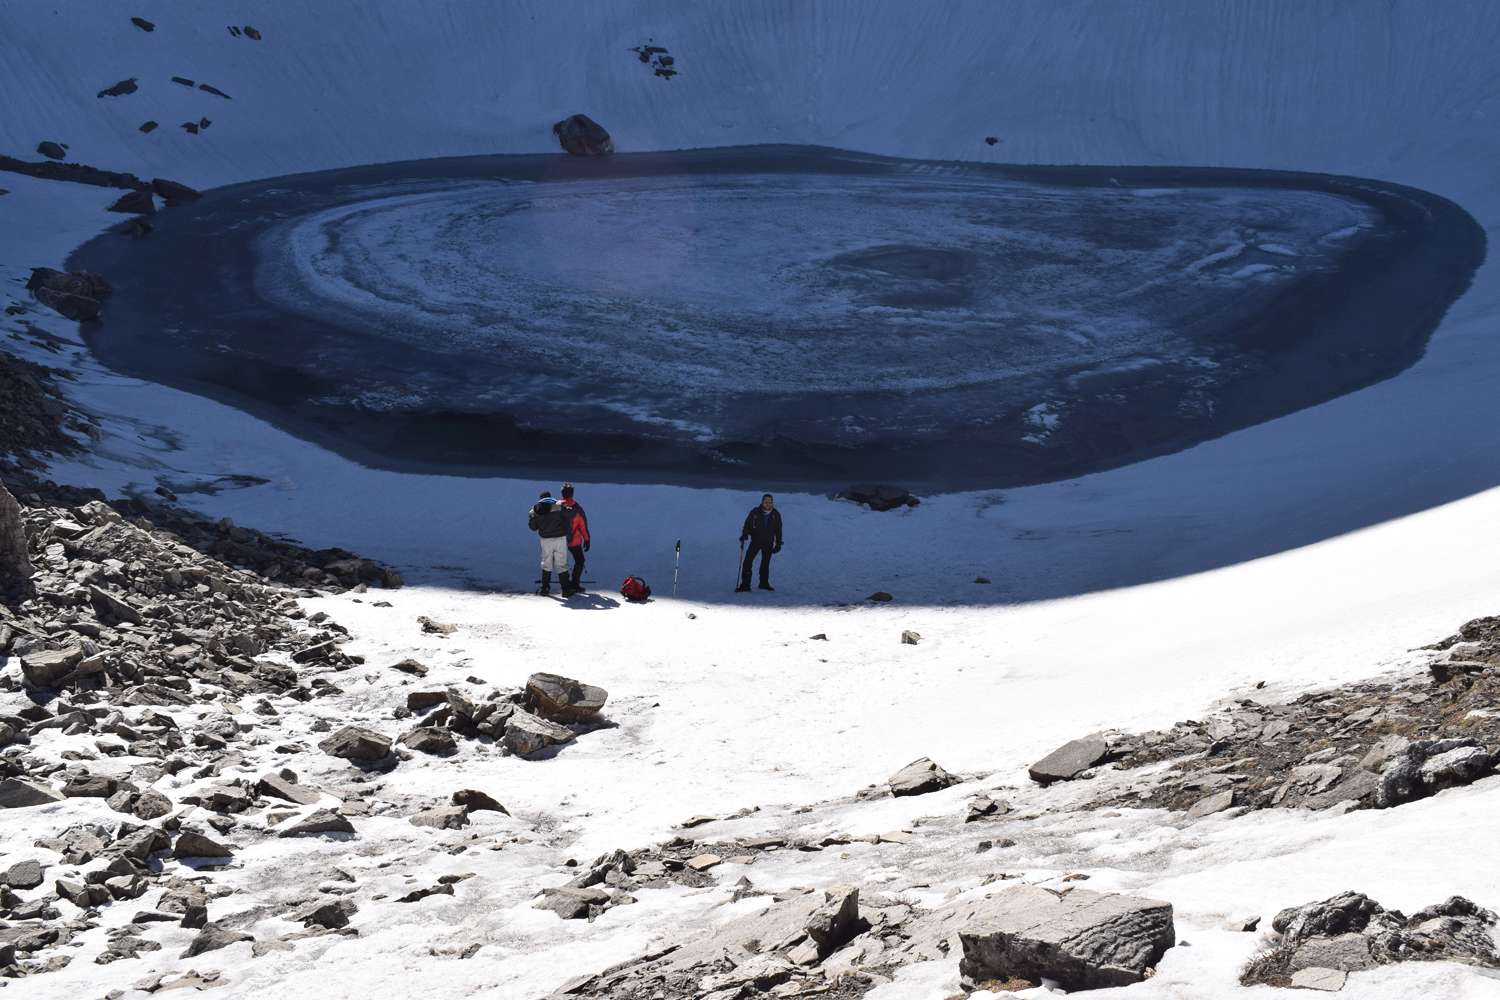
x,y
1402,91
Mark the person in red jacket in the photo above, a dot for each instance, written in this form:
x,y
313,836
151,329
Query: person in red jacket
x,y
578,541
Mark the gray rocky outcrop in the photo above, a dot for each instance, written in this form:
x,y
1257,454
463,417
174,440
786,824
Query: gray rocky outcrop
x,y
527,734
357,744
1081,940
1426,767
1351,932
920,777
580,135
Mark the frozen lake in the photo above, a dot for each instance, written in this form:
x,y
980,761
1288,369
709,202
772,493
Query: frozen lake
x,y
780,313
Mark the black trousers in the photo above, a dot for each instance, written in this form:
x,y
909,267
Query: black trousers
x,y
762,549
576,551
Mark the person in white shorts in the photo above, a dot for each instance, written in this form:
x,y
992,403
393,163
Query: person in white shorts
x,y
552,522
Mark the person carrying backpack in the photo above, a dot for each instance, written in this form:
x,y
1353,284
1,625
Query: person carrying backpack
x,y
551,523
762,529
578,541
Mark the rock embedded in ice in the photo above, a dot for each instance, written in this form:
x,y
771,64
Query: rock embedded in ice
x,y
985,807
280,787
1208,805
920,777
52,150
1328,980
329,913
1069,760
76,295
356,744
580,135
1081,940
563,699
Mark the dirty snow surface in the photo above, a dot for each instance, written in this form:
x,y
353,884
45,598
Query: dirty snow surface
x,y
1318,548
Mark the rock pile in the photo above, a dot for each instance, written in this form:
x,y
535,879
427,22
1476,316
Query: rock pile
x,y
1318,944
550,712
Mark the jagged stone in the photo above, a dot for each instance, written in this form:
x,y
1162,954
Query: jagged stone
x,y
321,822
430,739
580,135
17,793
212,938
329,913
195,845
476,801
572,903
15,562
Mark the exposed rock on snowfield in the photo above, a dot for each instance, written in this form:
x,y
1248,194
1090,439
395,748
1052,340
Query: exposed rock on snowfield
x,y
920,777
78,295
563,699
1351,932
137,202
1082,939
879,497
526,734
580,135
52,150
1070,760
356,744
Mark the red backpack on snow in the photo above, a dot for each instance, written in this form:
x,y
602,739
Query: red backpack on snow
x,y
634,589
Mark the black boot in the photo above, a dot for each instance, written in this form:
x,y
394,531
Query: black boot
x,y
578,580
766,585
546,588
565,580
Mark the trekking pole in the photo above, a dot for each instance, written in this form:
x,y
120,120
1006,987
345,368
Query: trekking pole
x,y
675,565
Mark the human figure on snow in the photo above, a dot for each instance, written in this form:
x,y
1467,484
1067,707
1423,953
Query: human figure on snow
x,y
578,541
762,530
552,524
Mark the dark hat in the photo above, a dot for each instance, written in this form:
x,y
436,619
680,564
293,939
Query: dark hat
x,y
546,495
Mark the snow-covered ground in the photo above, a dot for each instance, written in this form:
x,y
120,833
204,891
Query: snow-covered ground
x,y
1330,541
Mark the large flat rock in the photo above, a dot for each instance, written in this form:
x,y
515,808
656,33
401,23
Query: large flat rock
x,y
1082,940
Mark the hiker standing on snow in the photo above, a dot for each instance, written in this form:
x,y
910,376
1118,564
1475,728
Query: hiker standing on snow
x,y
551,523
578,540
763,530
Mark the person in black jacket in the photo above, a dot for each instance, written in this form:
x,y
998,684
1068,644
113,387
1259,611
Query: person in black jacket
x,y
762,530
552,522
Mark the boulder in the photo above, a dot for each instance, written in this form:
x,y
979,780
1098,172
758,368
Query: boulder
x,y
356,744
321,822
15,563
47,668
920,777
580,135
22,875
112,609
18,793
1081,940
526,734
443,818
563,699
279,787
430,739
328,913
1207,806
172,192
134,203
477,801
836,921
77,295
52,150
879,497
212,938
196,845
572,903
1351,932
1069,760
1425,767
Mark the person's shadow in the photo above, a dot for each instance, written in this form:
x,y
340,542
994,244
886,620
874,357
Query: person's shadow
x,y
590,602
